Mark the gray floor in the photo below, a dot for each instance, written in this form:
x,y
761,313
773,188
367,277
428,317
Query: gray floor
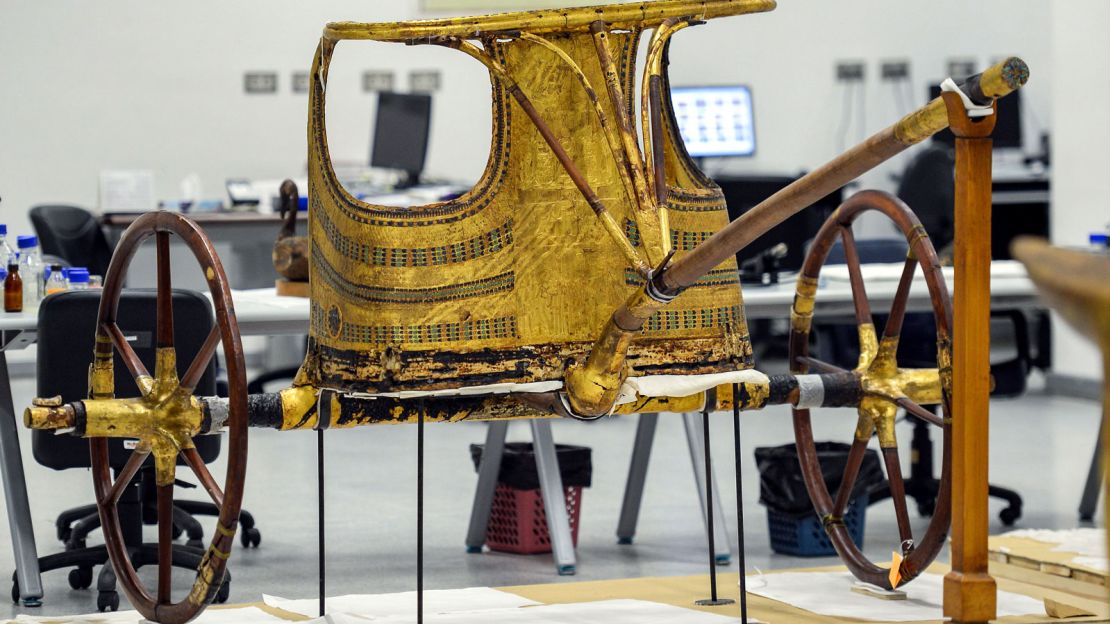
x,y
1040,445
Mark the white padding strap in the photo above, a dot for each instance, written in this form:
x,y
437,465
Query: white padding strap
x,y
684,385
973,109
811,391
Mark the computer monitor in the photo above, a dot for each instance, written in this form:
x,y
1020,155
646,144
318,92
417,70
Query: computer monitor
x,y
401,133
715,121
1007,129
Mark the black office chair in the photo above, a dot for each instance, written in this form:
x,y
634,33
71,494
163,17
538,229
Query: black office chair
x,y
928,186
73,234
838,343
67,323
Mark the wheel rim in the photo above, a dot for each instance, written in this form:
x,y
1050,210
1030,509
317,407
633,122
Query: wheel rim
x,y
168,439
886,387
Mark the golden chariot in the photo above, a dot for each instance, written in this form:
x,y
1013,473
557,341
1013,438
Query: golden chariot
x,y
591,271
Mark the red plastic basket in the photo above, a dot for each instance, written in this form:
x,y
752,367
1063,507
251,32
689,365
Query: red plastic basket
x,y
518,524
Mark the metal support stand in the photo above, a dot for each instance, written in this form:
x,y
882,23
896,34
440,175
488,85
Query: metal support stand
x,y
27,576
713,600
736,453
1088,505
320,511
707,489
420,515
554,497
637,475
488,467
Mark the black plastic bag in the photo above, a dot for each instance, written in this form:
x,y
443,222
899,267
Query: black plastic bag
x,y
782,488
518,465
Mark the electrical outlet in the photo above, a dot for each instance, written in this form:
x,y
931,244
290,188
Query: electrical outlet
x,y
894,70
849,71
960,68
298,82
374,80
260,82
424,81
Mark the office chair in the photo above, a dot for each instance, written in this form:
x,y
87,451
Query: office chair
x,y
73,234
838,343
66,334
928,186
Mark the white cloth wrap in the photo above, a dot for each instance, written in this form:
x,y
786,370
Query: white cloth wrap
x,y
811,391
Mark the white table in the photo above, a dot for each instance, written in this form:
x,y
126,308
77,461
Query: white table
x,y
261,312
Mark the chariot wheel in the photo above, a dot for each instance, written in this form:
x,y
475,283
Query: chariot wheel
x,y
886,388
163,430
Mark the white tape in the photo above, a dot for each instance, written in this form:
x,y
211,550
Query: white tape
x,y
973,109
811,391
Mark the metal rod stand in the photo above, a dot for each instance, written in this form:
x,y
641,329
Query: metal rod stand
x,y
320,511
739,505
420,516
713,600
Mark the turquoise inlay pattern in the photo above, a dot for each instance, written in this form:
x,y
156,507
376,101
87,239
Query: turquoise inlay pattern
x,y
476,329
385,294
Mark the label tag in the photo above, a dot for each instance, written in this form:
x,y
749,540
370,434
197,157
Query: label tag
x,y
130,445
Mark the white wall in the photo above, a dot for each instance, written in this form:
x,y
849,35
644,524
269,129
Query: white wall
x,y
133,84
1081,166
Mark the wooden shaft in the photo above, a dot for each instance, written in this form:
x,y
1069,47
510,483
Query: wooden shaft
x,y
781,206
969,591
998,81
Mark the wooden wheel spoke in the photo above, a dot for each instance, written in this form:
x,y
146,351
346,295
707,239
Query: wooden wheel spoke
x,y
165,543
200,361
815,365
138,456
196,463
130,358
165,293
859,292
848,481
920,412
901,298
898,496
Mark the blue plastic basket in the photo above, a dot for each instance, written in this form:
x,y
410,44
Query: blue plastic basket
x,y
805,537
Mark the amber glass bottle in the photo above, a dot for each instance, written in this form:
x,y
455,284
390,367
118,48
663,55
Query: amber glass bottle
x,y
13,290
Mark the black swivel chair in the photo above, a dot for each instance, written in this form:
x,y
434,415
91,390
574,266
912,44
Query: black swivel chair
x,y
73,234
838,343
67,323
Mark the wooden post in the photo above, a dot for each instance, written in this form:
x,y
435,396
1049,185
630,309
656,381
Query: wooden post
x,y
969,591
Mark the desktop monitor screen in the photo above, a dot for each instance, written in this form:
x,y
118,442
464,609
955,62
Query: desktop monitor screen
x,y
401,132
1007,129
715,121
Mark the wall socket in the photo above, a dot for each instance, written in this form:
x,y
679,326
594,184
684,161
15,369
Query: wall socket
x,y
424,81
849,71
960,68
260,82
894,70
376,80
298,82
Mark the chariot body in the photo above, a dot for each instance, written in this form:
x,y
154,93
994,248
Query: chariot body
x,y
591,271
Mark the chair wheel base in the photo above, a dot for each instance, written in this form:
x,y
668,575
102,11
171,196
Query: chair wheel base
x,y
473,550
81,578
624,541
107,601
723,560
32,602
251,537
567,570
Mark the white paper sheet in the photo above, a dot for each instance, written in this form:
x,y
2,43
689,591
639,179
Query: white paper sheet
x,y
830,593
246,615
1088,544
892,271
601,612
404,603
